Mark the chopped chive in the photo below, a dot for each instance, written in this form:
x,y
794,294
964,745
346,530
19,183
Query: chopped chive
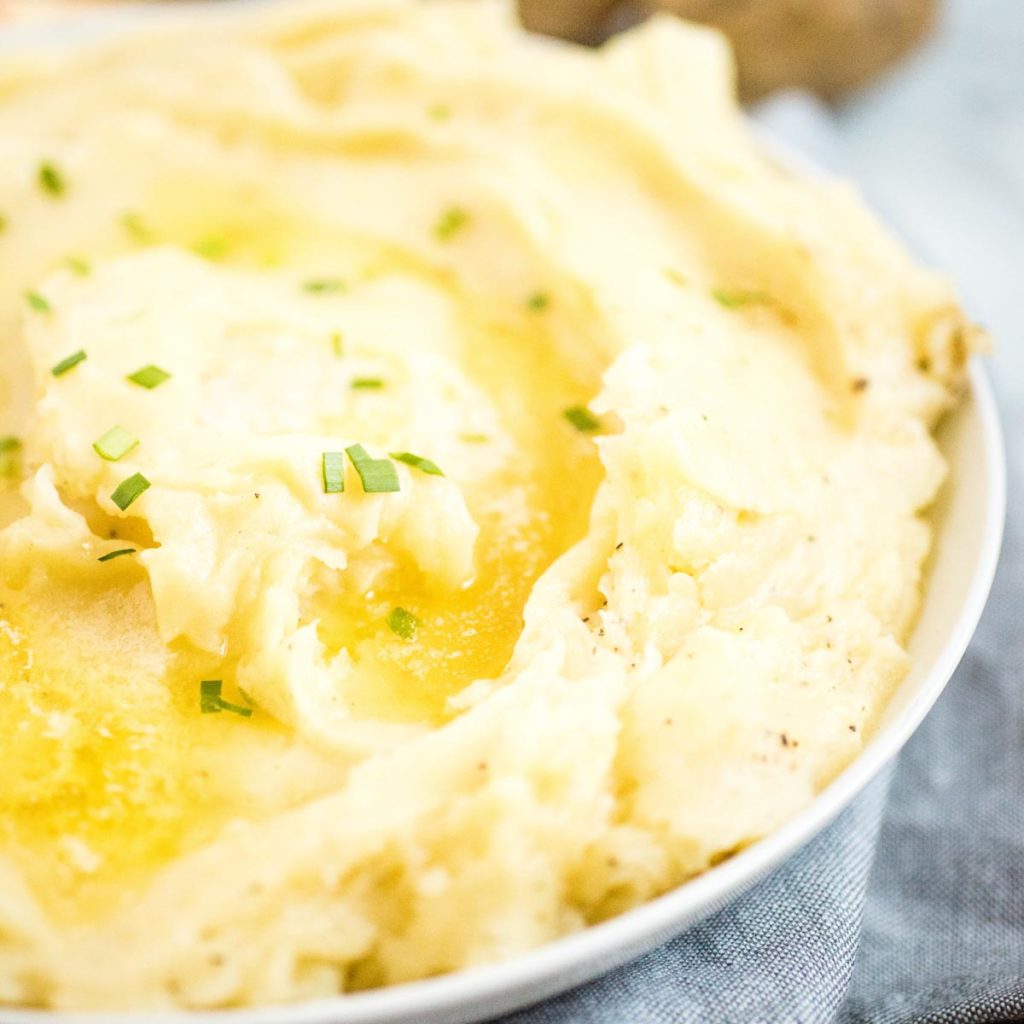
x,y
440,111
128,490
209,696
211,702
538,302
115,444
366,383
333,471
111,555
133,223
51,180
324,286
83,268
453,220
68,363
337,345
402,623
736,299
149,376
378,476
236,709
582,419
38,302
675,277
474,438
425,465
10,449
212,248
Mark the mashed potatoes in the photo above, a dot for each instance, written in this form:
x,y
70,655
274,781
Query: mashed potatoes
x,y
633,431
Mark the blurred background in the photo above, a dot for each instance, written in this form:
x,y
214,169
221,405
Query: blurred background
x,y
922,101
831,47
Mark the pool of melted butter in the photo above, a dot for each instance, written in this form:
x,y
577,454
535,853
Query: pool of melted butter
x,y
109,770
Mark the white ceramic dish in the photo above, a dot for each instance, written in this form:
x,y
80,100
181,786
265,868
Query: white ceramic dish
x,y
969,518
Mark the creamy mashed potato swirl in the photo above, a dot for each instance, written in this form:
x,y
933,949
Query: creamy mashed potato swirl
x,y
634,434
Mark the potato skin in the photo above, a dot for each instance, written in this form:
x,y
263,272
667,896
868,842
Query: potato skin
x,y
582,20
831,47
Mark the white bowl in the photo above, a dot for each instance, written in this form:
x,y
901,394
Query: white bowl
x,y
969,518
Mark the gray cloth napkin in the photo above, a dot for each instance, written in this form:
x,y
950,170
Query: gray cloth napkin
x,y
909,909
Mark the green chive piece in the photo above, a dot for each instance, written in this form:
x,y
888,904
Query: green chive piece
x,y
736,299
402,623
10,461
212,248
128,490
582,419
38,302
324,286
538,302
333,470
337,344
211,702
209,696
133,223
474,438
111,555
425,465
378,476
83,268
453,220
51,180
366,383
676,277
440,111
149,377
115,444
68,363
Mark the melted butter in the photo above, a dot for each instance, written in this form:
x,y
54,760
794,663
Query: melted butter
x,y
109,770
527,516
98,779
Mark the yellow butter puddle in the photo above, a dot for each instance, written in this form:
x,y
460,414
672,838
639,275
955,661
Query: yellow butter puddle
x,y
528,516
108,768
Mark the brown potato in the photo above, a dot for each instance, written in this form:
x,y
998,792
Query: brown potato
x,y
829,46
582,20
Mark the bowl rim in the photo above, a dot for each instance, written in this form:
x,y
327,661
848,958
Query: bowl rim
x,y
581,956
